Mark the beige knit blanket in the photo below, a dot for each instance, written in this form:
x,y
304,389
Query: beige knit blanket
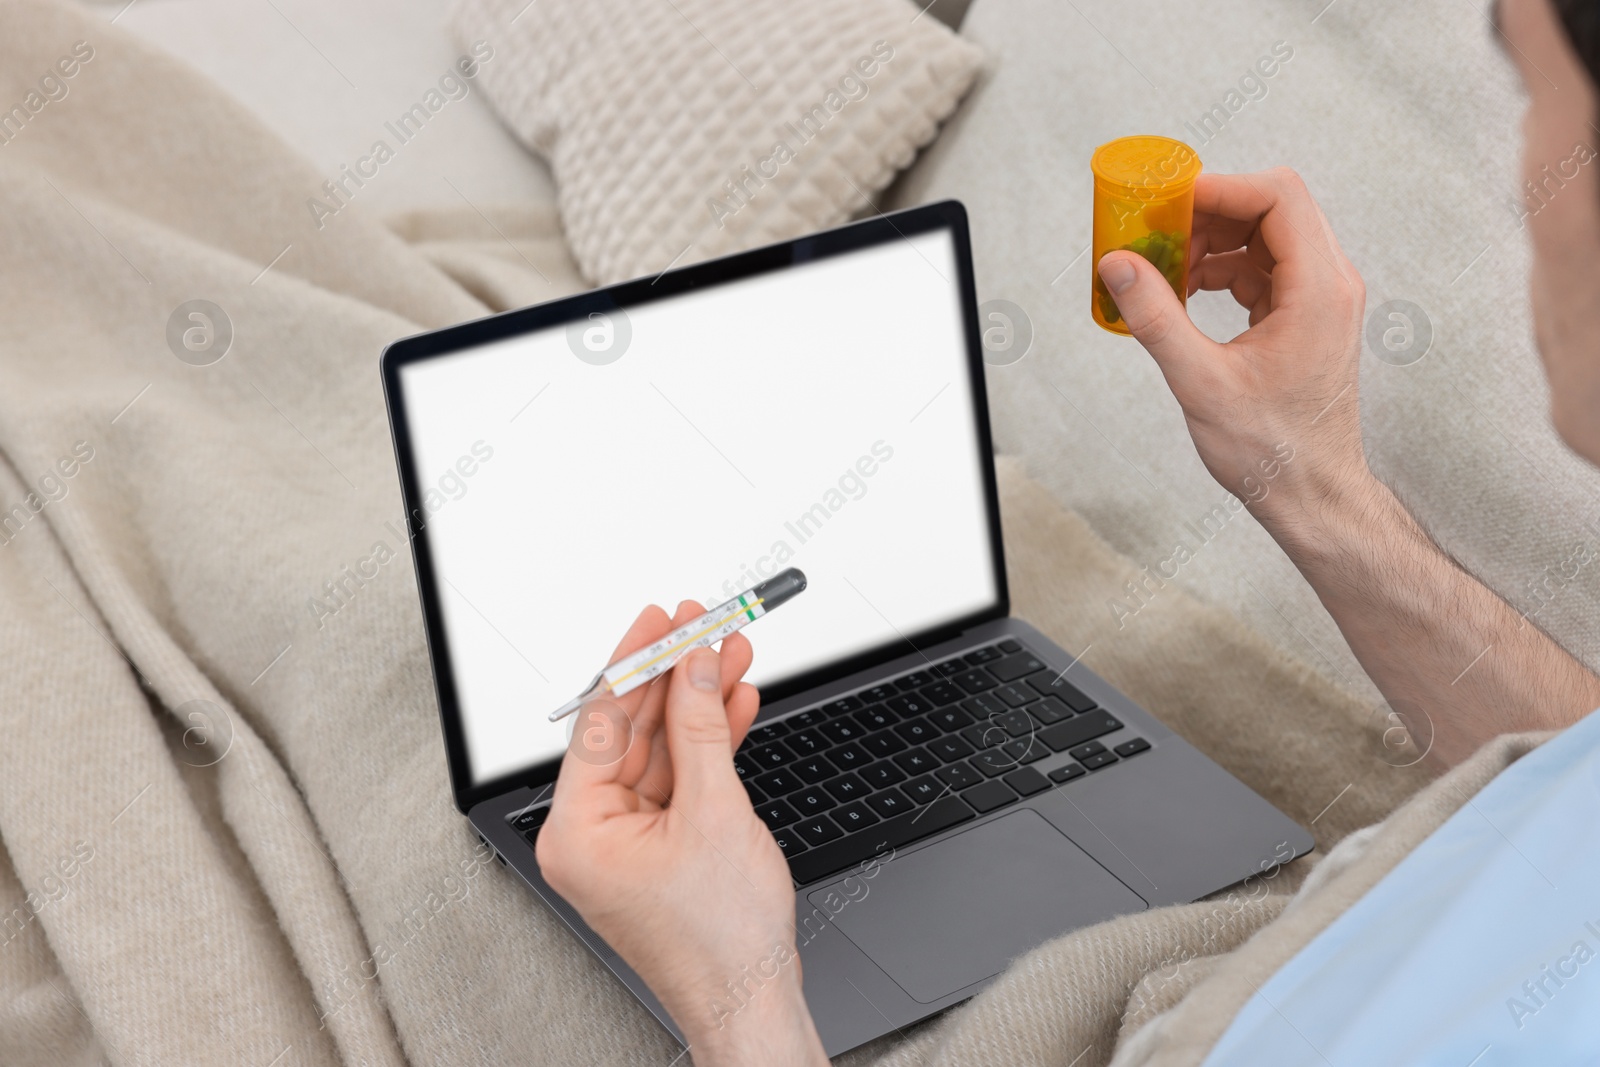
x,y
228,837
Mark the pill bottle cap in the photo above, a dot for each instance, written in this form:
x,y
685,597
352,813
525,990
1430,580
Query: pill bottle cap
x,y
1144,167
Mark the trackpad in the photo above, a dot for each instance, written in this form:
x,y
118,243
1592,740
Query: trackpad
x,y
955,913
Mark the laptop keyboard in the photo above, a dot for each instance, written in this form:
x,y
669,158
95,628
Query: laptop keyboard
x,y
904,759
878,769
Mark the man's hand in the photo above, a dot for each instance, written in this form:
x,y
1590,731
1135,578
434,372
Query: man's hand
x,y
653,839
1456,663
1286,387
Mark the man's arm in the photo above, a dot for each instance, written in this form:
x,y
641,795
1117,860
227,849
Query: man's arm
x,y
1431,636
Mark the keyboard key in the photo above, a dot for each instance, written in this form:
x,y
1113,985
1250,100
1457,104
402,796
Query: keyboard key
x,y
917,731
1067,773
847,787
534,818
1048,711
777,783
1015,695
1083,752
889,803
876,717
1074,732
894,833
989,796
992,763
747,767
807,719
849,757
1103,759
1026,781
882,775
1015,723
1025,750
1009,645
951,749
984,735
853,816
756,795
950,668
883,744
942,693
878,693
760,735
949,720
914,680
789,841
818,830
840,705
909,705
1019,666
770,756
1132,748
979,656
810,801
1048,685
975,681
925,790
841,730
985,704
806,743
958,776
775,813
815,769
916,761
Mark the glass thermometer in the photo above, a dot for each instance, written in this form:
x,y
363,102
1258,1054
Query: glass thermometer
x,y
656,659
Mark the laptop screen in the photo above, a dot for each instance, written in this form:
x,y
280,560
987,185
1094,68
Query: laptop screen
x,y
819,416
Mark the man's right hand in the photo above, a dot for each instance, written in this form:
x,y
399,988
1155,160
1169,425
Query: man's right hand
x,y
1287,385
1456,664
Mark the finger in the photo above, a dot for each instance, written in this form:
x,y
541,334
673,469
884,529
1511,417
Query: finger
x,y
743,703
1214,235
597,754
1234,272
1279,204
698,735
655,784
736,658
651,624
644,757
655,700
589,787
737,655
1152,312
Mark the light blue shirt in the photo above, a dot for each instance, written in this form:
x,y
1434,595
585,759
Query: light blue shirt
x,y
1480,949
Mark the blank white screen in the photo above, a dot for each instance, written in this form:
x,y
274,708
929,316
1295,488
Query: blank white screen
x,y
838,389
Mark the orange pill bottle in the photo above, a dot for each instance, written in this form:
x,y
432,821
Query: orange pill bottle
x,y
1143,202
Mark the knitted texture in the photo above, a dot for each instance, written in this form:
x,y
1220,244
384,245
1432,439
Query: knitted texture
x,y
686,130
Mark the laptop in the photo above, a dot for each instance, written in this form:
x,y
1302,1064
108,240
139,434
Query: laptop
x,y
951,787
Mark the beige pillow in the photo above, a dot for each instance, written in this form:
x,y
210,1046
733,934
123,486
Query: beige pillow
x,y
679,130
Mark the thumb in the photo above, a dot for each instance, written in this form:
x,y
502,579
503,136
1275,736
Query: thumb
x,y
1152,312
699,739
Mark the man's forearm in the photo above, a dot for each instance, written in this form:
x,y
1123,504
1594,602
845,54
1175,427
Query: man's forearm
x,y
1431,636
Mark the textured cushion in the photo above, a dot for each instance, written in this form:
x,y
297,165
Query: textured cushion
x,y
685,130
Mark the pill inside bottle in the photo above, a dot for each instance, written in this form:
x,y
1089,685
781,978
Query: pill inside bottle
x,y
1144,203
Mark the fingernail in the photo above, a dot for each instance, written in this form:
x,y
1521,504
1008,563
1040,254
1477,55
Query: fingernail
x,y
705,670
1118,274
